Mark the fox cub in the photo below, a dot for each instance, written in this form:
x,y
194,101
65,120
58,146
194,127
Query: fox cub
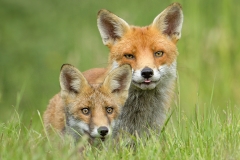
x,y
91,109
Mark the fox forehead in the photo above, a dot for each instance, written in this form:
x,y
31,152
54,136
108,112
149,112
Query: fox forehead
x,y
93,98
143,42
97,102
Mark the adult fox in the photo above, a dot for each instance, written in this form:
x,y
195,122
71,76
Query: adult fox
x,y
152,53
87,108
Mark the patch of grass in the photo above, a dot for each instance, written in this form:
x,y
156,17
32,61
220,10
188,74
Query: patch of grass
x,y
205,135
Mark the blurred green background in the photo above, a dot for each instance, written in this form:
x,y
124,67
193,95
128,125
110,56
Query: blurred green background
x,y
37,37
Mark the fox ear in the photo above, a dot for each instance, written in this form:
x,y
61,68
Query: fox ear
x,y
170,21
111,27
71,80
118,81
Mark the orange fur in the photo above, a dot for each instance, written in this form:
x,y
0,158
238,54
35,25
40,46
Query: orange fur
x,y
142,43
55,115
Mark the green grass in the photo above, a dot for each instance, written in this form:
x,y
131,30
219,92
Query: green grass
x,y
205,135
37,37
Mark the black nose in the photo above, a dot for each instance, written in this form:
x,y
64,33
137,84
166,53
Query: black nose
x,y
147,72
103,131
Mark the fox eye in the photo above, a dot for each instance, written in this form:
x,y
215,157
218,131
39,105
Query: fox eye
x,y
85,111
109,110
159,53
129,56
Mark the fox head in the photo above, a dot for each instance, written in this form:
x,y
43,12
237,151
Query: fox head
x,y
93,109
151,51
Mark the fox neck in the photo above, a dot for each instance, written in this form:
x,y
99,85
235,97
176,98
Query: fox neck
x,y
145,110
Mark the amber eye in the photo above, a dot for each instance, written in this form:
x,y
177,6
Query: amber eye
x,y
158,53
109,110
85,111
129,56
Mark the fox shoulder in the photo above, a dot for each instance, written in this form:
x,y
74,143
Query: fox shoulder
x,y
95,75
54,115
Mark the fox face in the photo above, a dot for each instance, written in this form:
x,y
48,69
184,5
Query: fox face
x,y
151,51
91,112
93,108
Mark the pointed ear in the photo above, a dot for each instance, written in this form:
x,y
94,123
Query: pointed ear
x,y
71,80
111,27
118,81
170,21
